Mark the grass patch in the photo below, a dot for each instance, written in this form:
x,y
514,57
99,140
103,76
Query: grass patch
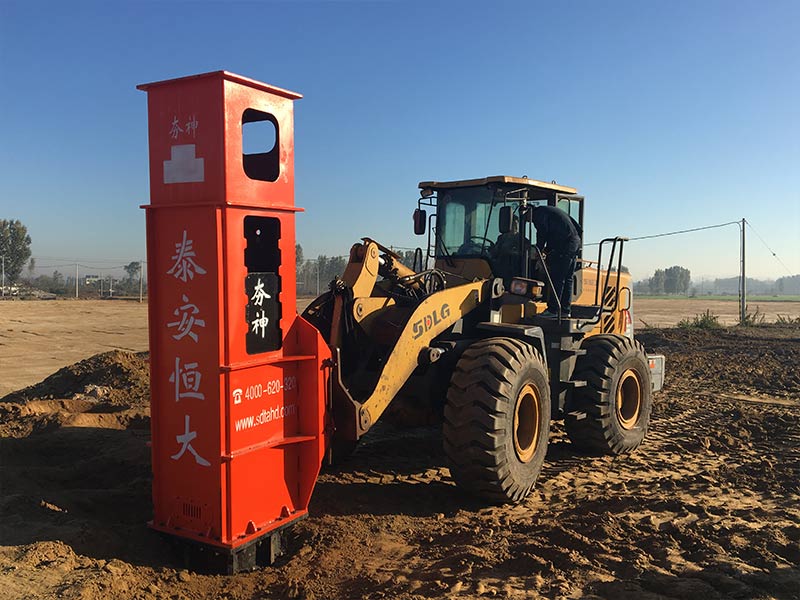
x,y
787,320
753,319
706,320
709,320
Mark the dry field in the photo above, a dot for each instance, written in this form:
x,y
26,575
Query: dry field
x,y
39,337
667,313
708,507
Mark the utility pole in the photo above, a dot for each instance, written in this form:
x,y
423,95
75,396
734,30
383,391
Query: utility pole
x,y
318,278
743,282
110,286
141,275
76,280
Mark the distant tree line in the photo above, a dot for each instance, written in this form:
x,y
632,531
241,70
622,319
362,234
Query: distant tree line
x,y
788,285
316,274
673,280
783,286
62,284
677,280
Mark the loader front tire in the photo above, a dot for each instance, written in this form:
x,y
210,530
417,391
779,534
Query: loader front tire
x,y
611,413
497,419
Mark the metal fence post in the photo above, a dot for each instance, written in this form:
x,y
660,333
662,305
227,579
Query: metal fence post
x,y
743,282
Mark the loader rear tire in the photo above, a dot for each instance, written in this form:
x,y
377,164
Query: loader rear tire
x,y
497,419
611,414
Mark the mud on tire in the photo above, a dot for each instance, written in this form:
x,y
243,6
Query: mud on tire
x,y
611,413
497,419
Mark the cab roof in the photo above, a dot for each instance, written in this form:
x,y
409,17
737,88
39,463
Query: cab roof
x,y
500,179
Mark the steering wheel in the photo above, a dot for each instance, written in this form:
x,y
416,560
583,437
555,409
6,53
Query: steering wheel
x,y
480,244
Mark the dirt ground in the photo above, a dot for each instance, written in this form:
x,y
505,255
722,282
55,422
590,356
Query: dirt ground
x,y
39,337
708,507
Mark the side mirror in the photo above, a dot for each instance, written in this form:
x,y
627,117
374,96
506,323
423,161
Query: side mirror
x,y
420,221
506,219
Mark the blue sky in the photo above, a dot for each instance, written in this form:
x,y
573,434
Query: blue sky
x,y
666,115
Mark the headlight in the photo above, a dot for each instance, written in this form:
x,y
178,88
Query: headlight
x,y
519,287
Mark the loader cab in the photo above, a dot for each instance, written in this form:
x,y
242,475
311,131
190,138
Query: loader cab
x,y
467,236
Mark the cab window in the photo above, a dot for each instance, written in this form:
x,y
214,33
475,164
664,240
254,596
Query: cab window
x,y
572,208
451,229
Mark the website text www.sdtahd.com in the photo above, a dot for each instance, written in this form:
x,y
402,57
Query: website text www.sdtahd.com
x,y
265,416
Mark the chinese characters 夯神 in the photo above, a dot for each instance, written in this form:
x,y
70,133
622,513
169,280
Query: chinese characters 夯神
x,y
262,320
190,127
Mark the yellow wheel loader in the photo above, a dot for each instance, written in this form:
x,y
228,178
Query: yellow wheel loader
x,y
460,337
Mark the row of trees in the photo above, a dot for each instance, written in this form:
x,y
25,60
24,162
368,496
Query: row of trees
x,y
64,285
314,275
789,285
674,280
677,280
15,250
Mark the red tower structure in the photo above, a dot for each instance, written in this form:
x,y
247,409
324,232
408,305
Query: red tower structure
x,y
237,378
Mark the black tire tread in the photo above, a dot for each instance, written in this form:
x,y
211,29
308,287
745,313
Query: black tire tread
x,y
477,404
596,432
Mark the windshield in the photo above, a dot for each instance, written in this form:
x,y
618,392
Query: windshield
x,y
468,220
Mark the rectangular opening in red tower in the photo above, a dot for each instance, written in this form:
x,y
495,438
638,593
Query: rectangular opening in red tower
x,y
260,145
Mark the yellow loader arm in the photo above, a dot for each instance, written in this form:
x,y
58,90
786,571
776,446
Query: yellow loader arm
x,y
433,316
430,318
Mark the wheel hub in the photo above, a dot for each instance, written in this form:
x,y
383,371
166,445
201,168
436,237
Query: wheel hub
x,y
629,399
526,423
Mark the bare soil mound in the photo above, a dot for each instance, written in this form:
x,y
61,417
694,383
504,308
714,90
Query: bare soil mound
x,y
708,507
109,391
117,377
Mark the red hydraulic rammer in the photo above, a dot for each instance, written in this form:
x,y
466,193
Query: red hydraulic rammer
x,y
237,378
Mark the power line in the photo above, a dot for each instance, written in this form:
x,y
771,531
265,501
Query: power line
x,y
79,258
770,249
738,223
658,235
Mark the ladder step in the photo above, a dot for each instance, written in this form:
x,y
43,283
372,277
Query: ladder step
x,y
575,351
